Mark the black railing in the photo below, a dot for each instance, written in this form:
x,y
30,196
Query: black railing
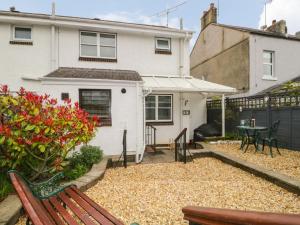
x,y
124,152
151,136
180,146
125,148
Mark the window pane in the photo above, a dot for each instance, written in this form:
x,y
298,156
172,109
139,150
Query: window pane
x,y
267,57
22,33
89,50
162,44
164,101
96,102
150,114
108,52
268,70
164,114
107,40
150,101
88,38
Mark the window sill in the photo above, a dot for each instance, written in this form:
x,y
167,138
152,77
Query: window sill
x,y
265,77
160,123
105,124
90,59
21,42
163,52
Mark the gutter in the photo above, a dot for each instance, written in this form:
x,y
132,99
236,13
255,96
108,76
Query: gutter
x,y
84,23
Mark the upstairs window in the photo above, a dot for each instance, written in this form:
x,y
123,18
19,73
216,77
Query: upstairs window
x,y
22,33
98,45
162,45
268,64
159,108
97,102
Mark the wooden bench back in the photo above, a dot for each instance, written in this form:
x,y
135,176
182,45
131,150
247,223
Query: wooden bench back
x,y
32,206
200,215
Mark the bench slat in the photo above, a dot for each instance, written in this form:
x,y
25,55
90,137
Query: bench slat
x,y
34,210
98,207
92,211
52,212
62,211
83,216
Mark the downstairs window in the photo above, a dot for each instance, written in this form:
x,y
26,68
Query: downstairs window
x,y
159,108
97,102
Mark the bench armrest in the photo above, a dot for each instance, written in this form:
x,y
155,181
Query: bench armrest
x,y
44,189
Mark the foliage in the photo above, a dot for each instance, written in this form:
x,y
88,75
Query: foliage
x,y
81,162
5,185
75,172
292,88
91,154
36,133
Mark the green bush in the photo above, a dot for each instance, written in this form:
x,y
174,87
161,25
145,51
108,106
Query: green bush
x,y
5,186
91,154
75,172
81,162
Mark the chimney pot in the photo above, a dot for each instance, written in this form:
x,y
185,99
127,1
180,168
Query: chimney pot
x,y
12,9
278,27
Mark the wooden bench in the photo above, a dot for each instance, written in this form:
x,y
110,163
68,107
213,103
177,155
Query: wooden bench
x,y
214,216
68,205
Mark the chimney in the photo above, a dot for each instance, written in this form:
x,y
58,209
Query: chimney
x,y
278,27
12,9
209,16
53,9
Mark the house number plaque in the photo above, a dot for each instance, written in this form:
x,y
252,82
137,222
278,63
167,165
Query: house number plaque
x,y
186,112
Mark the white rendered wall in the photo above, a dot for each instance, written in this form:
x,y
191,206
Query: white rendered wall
x,y
134,52
287,64
123,113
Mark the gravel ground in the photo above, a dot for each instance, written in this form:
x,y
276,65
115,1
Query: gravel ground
x,y
287,163
155,193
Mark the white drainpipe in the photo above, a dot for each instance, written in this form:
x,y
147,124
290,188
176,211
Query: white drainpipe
x,y
53,47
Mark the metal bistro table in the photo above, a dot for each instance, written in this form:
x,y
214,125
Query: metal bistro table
x,y
251,136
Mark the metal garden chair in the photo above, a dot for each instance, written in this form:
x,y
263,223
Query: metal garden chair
x,y
271,138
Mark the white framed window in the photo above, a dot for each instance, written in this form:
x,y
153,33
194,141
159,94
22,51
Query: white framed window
x,y
22,33
268,64
159,108
163,44
98,45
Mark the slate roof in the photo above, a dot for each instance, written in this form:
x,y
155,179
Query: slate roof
x,y
259,32
278,87
88,73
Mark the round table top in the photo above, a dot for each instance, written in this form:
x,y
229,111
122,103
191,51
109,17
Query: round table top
x,y
252,128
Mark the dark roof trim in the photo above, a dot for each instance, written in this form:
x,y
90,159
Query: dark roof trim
x,y
259,32
88,73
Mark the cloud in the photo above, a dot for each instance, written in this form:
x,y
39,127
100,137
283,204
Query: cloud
x,y
283,9
138,17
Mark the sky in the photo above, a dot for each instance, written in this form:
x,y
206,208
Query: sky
x,y
248,13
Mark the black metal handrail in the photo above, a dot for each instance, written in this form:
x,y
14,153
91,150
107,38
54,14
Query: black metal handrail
x,y
124,152
151,136
180,145
125,148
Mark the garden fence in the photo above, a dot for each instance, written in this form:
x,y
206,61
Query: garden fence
x,y
265,109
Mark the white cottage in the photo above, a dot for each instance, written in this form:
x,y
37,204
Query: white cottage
x,y
131,75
